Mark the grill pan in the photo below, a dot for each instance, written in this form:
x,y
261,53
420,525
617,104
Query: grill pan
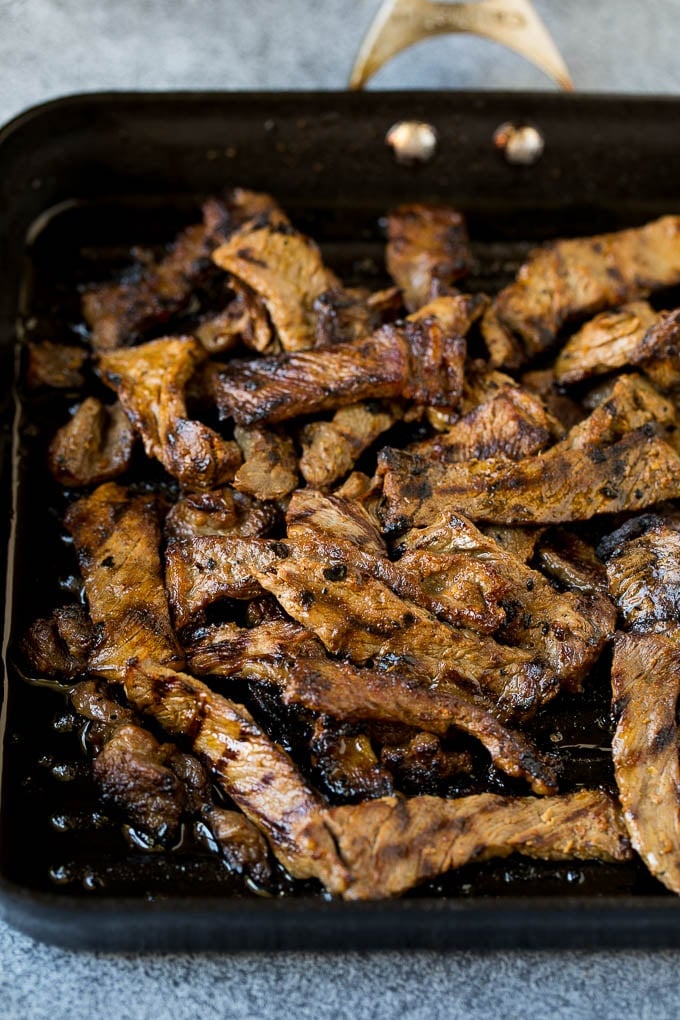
x,y
81,180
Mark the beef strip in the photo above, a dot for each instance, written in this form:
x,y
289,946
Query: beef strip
x,y
285,269
155,786
331,448
285,654
243,320
346,314
519,542
643,571
207,568
645,692
150,381
420,762
421,360
59,645
117,537
607,342
392,844
94,446
458,591
345,762
579,277
269,470
427,251
220,512
511,424
59,366
619,458
566,631
572,562
119,314
658,353
256,773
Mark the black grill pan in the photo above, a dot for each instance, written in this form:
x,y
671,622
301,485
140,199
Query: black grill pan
x,y
83,178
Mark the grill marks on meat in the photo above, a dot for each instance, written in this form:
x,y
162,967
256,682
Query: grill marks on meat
x,y
566,631
645,691
285,269
94,446
257,774
150,381
427,251
512,423
607,342
219,512
346,314
269,470
117,538
207,568
392,844
119,314
346,763
330,449
620,458
564,279
285,654
421,360
644,575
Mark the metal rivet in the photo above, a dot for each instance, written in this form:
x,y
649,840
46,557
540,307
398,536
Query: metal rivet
x,y
521,144
412,141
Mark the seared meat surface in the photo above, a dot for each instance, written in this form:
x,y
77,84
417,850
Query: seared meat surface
x,y
422,360
150,381
359,594
564,279
119,314
94,446
427,251
390,845
117,538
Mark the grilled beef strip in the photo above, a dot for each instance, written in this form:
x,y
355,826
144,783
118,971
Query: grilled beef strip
x,y
392,844
94,446
255,772
269,469
418,761
208,568
658,354
566,631
117,537
645,692
346,314
119,314
643,571
285,654
220,512
330,449
572,562
511,424
346,763
285,269
607,342
622,457
59,645
58,366
579,277
421,360
150,381
155,786
519,542
427,251
458,591
243,320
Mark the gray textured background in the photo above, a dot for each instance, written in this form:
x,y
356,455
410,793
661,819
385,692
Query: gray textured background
x,y
52,47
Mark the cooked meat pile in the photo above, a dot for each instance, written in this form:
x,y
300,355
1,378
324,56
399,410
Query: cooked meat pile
x,y
339,570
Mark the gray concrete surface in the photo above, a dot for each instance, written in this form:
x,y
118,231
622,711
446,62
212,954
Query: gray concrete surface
x,y
52,47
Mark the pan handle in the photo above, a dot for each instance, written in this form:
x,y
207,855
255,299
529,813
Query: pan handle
x,y
513,23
